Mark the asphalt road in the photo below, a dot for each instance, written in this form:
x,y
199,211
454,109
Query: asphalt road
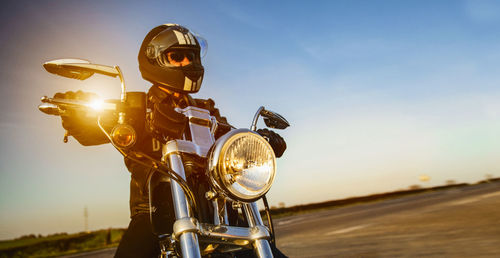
x,y
462,222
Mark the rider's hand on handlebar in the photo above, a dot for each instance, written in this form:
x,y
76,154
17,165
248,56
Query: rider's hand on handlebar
x,y
79,124
275,140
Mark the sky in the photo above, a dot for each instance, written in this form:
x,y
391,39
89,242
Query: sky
x,y
377,93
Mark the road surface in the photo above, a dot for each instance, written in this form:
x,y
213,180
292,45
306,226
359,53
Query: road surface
x,y
461,222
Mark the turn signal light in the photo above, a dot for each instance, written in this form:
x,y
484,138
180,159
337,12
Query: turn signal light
x,y
123,135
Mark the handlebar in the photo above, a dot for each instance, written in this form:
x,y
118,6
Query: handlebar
x,y
54,106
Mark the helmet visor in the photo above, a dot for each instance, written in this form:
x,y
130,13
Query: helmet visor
x,y
203,45
177,57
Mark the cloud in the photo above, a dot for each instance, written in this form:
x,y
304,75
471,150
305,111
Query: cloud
x,y
482,11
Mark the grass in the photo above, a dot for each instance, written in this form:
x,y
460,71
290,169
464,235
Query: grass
x,y
60,244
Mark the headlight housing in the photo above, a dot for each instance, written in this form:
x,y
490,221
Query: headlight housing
x,y
242,165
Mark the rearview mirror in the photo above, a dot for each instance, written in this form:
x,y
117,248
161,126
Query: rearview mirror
x,y
78,68
272,119
82,69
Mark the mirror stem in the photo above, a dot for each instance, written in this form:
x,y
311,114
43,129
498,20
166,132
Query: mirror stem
x,y
121,115
256,118
124,93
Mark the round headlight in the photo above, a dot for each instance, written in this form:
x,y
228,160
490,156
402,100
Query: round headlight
x,y
242,165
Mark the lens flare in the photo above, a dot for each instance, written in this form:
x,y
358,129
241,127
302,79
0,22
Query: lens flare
x,y
97,104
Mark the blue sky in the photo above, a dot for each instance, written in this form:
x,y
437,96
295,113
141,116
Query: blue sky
x,y
377,92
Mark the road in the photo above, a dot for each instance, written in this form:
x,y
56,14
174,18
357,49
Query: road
x,y
462,222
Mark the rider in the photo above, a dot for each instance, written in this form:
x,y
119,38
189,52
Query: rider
x,y
169,58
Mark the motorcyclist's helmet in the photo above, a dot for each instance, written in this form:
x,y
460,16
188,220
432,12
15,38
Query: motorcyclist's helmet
x,y
170,56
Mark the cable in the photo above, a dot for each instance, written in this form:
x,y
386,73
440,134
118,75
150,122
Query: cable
x,y
164,170
269,219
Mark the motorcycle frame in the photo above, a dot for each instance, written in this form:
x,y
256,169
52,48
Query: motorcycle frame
x,y
187,230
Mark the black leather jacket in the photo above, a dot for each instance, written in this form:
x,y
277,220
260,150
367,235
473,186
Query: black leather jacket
x,y
148,144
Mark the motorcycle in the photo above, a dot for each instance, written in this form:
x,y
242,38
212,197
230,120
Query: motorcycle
x,y
230,174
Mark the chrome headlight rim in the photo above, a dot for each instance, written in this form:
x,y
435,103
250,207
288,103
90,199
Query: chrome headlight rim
x,y
215,163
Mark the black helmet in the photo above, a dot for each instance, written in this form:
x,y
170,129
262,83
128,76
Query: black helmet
x,y
170,57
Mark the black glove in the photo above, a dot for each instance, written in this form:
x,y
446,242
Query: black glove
x,y
164,121
275,140
82,127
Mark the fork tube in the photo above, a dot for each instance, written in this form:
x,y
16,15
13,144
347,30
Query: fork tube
x,y
188,240
217,219
261,246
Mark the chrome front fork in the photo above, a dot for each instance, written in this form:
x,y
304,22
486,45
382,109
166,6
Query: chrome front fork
x,y
261,247
185,226
187,236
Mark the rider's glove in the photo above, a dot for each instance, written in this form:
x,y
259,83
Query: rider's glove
x,y
78,123
275,140
164,122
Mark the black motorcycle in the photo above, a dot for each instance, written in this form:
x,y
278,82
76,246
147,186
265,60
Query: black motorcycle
x,y
230,174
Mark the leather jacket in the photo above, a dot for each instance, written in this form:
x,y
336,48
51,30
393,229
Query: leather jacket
x,y
148,143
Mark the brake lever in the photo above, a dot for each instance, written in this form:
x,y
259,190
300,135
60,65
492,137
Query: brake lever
x,y
49,104
64,102
50,109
